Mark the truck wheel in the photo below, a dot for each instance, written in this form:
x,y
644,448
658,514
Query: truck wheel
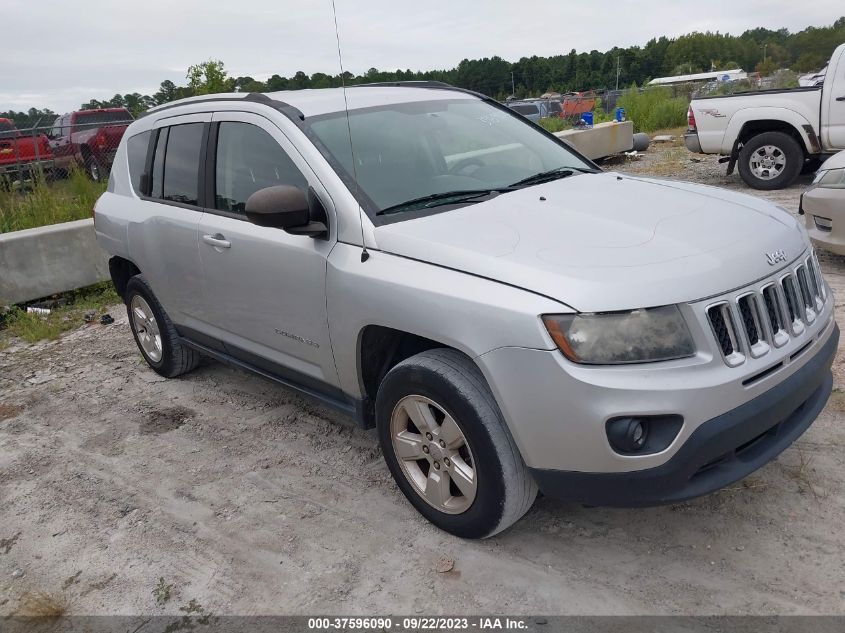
x,y
154,332
771,160
94,169
447,447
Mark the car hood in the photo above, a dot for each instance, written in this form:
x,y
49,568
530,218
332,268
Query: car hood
x,y
603,242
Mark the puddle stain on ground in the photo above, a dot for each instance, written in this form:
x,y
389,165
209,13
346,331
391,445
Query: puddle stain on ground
x,y
165,420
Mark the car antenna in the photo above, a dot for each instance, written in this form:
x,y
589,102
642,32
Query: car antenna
x,y
364,254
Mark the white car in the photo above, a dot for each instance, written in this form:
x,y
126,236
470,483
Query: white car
x,y
823,205
773,134
508,316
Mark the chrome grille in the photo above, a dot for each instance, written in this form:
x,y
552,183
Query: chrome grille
x,y
754,322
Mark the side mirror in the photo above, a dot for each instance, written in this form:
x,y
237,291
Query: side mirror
x,y
283,207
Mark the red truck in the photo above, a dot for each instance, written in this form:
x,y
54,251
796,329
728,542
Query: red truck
x,y
89,139
21,154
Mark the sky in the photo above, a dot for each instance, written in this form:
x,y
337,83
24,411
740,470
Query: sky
x,y
59,54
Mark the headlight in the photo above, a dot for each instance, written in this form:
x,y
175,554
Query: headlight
x,y
613,338
830,179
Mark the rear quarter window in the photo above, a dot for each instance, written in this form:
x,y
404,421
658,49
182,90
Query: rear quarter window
x,y
136,152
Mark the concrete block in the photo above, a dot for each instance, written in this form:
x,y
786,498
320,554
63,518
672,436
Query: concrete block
x,y
604,139
39,262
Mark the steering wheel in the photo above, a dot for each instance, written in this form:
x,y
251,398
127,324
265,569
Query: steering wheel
x,y
459,168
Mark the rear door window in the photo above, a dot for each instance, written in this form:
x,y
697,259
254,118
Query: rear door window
x,y
158,164
176,178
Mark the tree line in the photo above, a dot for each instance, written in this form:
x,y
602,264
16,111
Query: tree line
x,y
762,50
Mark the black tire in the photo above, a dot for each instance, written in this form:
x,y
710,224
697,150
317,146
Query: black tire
x,y
785,145
505,488
176,358
94,169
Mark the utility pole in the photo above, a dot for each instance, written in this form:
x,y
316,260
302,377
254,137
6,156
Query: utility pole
x,y
617,72
513,85
765,46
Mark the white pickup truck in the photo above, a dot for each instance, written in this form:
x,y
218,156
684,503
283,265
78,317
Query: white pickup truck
x,y
773,134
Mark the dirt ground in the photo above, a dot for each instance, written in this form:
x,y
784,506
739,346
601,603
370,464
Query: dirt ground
x,y
124,493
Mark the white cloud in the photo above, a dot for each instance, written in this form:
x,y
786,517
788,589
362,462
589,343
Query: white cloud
x,y
67,53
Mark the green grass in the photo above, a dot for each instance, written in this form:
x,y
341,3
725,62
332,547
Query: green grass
x,y
40,203
654,109
18,323
555,125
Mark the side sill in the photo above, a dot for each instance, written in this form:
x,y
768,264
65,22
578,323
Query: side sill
x,y
351,407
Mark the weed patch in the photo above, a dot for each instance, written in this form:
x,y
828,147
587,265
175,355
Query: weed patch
x,y
68,314
43,203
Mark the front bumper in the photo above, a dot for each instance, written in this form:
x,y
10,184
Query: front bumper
x,y
719,452
824,212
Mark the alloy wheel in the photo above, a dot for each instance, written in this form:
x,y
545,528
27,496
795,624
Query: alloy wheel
x,y
433,454
767,162
146,328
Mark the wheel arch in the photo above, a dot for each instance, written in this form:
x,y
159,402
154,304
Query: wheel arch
x,y
121,271
379,349
746,124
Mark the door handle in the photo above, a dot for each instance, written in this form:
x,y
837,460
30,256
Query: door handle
x,y
217,241
842,98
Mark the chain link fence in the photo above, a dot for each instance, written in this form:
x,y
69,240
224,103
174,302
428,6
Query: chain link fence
x,y
86,140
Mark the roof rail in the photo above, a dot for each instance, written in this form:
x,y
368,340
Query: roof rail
x,y
433,85
422,83
294,114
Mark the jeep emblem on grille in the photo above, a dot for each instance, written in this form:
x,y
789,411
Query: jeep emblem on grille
x,y
776,257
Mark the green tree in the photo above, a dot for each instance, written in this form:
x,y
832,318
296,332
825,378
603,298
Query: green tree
x,y
208,78
766,67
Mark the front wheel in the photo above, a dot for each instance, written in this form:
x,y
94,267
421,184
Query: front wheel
x,y
447,446
771,160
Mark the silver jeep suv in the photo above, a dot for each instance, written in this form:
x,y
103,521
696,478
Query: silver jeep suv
x,y
508,317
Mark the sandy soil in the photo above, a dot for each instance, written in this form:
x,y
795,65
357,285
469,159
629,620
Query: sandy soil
x,y
249,500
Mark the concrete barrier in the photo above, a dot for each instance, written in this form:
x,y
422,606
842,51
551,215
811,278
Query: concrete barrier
x,y
39,262
605,139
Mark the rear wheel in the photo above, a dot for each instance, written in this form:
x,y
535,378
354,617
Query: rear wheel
x,y
447,447
155,333
771,160
93,168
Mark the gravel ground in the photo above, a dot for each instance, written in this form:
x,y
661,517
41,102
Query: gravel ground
x,y
250,500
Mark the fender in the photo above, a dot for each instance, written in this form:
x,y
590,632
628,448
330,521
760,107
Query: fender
x,y
757,114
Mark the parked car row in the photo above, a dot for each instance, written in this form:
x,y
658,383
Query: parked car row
x,y
87,139
568,106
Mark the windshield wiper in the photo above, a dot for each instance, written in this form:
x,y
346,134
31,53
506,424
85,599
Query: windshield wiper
x,y
439,199
551,174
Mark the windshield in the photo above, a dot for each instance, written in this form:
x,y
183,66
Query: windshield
x,y
409,151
